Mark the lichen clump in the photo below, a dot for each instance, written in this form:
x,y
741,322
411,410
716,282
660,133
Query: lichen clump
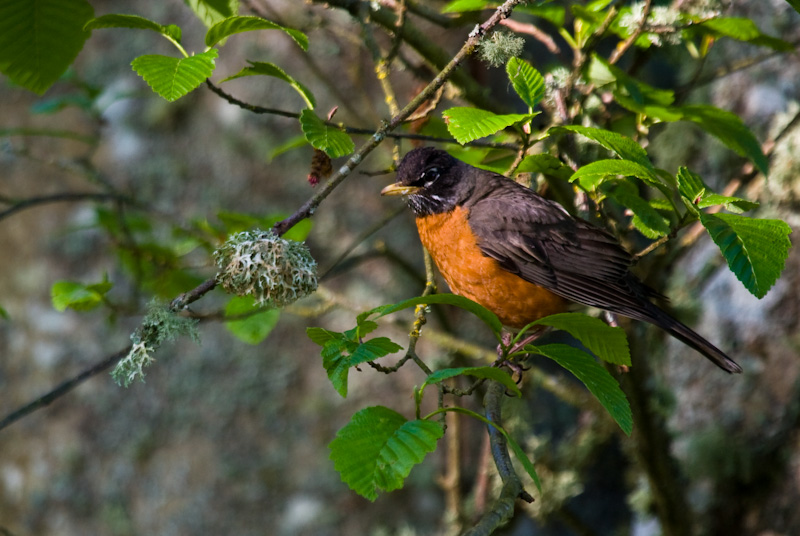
x,y
275,271
159,324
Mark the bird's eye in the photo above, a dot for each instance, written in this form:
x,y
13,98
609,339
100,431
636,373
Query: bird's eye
x,y
429,176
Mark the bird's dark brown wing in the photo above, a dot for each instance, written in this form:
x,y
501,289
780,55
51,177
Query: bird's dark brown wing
x,y
537,240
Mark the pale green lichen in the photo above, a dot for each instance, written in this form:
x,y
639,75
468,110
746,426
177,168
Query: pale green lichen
x,y
159,324
500,47
275,271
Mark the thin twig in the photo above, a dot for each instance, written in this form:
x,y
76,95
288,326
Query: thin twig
x,y
63,388
22,204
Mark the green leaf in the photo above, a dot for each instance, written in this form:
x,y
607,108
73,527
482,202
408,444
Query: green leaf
x,y
233,25
596,378
492,373
460,6
545,164
527,81
554,14
342,351
135,22
255,327
39,39
488,317
626,194
323,336
592,175
695,193
795,4
624,147
743,29
213,11
4,314
729,129
734,204
756,249
172,78
323,137
468,124
606,342
270,69
78,296
378,448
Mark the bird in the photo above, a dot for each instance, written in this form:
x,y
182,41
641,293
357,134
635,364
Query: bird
x,y
523,256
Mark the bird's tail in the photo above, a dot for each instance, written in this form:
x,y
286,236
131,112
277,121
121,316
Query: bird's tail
x,y
688,336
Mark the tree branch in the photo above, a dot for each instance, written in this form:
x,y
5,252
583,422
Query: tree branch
x,y
503,508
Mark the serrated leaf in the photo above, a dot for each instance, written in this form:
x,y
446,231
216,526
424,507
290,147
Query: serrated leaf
x,y
492,373
527,81
695,193
77,296
335,363
134,22
213,11
596,378
728,128
172,78
690,185
460,6
606,342
254,328
488,317
39,39
545,164
333,141
734,204
373,349
554,14
233,25
744,29
626,194
592,175
755,249
323,336
270,69
624,147
468,124
378,448
340,353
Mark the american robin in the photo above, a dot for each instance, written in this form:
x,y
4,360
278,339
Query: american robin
x,y
521,256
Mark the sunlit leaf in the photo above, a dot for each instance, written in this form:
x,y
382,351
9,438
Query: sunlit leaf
x,y
135,22
172,78
255,326
526,80
39,39
333,141
378,448
468,124
596,378
606,342
233,25
756,249
270,69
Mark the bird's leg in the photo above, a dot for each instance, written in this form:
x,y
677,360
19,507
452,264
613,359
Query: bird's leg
x,y
504,349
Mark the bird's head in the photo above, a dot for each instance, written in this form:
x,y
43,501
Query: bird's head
x,y
434,181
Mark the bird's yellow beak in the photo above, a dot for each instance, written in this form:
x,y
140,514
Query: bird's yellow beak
x,y
399,189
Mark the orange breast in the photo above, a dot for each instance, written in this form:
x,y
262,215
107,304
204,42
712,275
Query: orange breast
x,y
471,274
